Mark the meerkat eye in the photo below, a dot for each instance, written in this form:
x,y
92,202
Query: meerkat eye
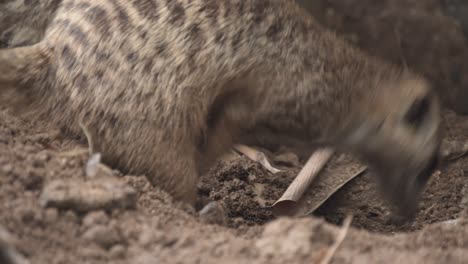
x,y
417,111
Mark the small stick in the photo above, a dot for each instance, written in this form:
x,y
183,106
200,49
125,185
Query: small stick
x,y
94,166
286,205
339,239
256,156
88,137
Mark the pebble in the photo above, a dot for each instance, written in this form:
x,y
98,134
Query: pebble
x,y
95,218
117,251
105,236
213,213
80,195
94,167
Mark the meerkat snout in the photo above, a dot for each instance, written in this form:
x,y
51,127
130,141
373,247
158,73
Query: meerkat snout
x,y
400,142
423,119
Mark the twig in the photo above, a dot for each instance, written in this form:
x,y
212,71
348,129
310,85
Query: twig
x,y
94,167
88,137
286,205
256,156
339,239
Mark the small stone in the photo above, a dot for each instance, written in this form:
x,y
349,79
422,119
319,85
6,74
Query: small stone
x,y
105,236
117,251
95,218
213,213
92,165
104,193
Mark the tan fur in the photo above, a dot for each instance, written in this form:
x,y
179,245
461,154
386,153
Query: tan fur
x,y
165,86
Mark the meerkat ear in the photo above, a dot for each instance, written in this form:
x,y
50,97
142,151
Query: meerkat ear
x,y
18,66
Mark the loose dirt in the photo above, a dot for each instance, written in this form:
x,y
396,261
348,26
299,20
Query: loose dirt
x,y
134,222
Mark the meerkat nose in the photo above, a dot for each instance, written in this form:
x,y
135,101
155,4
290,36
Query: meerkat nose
x,y
408,203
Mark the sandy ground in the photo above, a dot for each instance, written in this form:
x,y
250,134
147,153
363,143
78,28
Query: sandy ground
x,y
57,211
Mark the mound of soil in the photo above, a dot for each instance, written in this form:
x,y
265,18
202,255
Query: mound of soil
x,y
159,230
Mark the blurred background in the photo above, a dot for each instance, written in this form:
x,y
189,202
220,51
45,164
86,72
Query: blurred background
x,y
429,36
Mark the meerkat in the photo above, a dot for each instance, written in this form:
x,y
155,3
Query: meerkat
x,y
165,87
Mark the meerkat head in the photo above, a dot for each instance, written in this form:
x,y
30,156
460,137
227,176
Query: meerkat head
x,y
396,129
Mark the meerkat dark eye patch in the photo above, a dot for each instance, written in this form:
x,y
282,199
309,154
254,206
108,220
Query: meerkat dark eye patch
x,y
418,111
